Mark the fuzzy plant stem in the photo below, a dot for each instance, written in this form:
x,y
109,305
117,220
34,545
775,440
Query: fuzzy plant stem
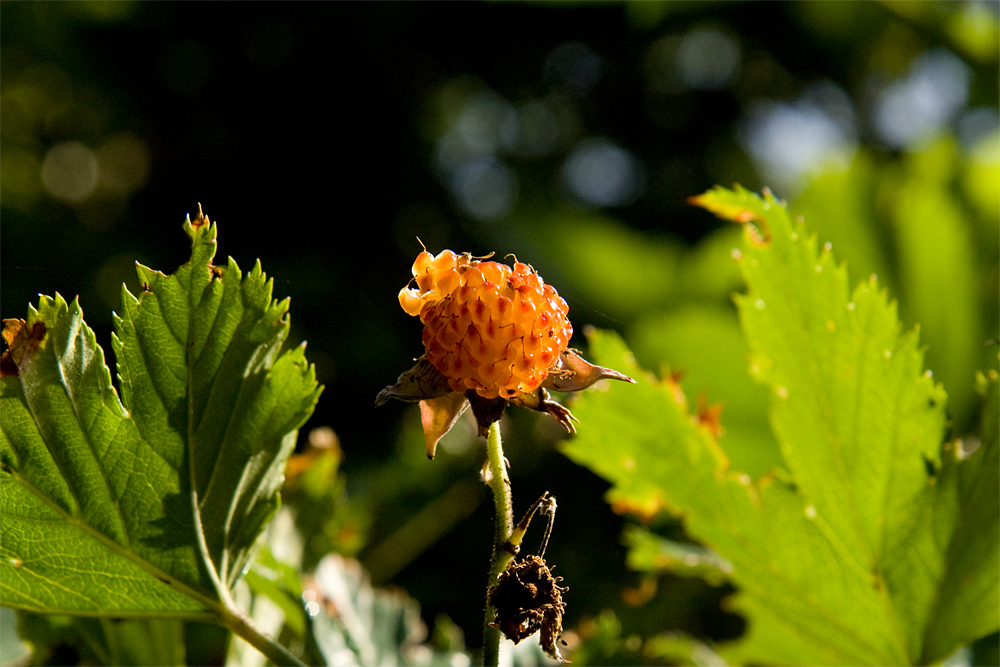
x,y
241,625
499,483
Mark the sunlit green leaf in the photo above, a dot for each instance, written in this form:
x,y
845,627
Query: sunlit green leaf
x,y
704,343
938,276
861,544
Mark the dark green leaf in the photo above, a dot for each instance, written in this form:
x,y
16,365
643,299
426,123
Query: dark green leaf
x,y
148,505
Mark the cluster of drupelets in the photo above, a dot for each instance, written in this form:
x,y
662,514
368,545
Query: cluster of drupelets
x,y
487,327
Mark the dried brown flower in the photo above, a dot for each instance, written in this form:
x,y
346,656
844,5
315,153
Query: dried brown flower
x,y
527,598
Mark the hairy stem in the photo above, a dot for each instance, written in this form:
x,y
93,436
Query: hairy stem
x,y
240,624
499,483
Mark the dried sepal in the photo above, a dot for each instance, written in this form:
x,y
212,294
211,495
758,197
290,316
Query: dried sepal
x,y
571,372
486,410
421,382
540,400
709,417
438,415
526,599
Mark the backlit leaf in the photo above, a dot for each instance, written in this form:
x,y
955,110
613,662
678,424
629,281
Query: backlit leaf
x,y
860,549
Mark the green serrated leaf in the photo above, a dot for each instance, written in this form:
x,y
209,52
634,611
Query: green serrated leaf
x,y
148,505
705,344
84,504
857,553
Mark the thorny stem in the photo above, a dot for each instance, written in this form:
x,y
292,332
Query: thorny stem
x,y
499,483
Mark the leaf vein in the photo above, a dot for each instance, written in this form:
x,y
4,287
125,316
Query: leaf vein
x,y
64,383
121,550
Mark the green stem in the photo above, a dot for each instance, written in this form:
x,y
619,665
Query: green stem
x,y
242,626
499,483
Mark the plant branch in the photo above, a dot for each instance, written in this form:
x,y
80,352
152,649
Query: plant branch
x,y
242,626
499,483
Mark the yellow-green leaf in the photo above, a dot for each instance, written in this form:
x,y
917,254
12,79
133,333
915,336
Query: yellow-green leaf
x,y
868,540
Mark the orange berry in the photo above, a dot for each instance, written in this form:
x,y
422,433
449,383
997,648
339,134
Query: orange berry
x,y
487,327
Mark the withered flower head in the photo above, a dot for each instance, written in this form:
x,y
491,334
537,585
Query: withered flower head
x,y
493,335
527,598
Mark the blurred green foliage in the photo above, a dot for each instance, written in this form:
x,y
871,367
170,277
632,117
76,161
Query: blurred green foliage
x,y
157,106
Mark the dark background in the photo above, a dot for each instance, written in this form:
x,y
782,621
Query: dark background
x,y
309,132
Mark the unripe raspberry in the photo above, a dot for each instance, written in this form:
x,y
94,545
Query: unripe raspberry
x,y
487,327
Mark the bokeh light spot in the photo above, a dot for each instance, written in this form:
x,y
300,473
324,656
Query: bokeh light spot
x,y
42,91
790,141
484,120
484,187
69,171
976,124
707,59
601,173
659,67
918,106
104,11
538,129
123,163
19,182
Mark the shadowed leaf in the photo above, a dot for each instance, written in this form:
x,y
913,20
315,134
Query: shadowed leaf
x,y
149,504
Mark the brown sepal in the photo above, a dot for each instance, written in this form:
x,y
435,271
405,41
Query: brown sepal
x,y
541,401
486,410
438,415
571,372
421,382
